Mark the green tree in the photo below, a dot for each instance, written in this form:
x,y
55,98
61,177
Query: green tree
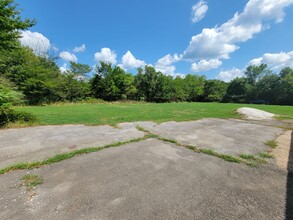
x,y
268,88
112,83
11,24
286,86
8,97
214,90
194,87
154,86
8,93
286,72
79,70
148,83
75,84
164,89
180,94
37,77
238,90
254,73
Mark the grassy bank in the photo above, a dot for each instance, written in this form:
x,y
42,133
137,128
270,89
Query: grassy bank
x,y
114,113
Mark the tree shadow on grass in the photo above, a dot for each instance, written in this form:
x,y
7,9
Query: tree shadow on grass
x,y
289,199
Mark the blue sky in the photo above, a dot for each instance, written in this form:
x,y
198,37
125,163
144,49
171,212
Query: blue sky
x,y
213,38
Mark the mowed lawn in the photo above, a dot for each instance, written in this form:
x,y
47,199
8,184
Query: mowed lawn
x,y
114,113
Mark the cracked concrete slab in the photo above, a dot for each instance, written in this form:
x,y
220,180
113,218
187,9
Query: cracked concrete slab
x,y
149,179
37,143
224,136
146,180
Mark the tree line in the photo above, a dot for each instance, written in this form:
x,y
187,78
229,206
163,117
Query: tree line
x,y
111,83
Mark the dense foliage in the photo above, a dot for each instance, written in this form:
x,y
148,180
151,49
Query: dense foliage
x,y
8,97
10,24
260,83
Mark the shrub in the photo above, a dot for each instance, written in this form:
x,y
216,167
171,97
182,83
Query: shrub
x,y
5,111
20,116
8,97
9,115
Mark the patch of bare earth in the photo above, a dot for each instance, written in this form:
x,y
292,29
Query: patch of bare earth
x,y
282,151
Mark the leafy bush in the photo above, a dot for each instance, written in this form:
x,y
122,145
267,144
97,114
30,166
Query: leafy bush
x,y
20,116
8,97
9,115
4,112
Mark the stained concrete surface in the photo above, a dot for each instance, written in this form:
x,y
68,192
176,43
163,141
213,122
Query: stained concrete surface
x,y
150,179
37,143
146,180
224,136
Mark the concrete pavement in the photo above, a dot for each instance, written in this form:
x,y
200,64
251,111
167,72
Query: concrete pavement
x,y
150,179
146,180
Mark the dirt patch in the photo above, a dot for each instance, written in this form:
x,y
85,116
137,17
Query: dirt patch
x,y
282,151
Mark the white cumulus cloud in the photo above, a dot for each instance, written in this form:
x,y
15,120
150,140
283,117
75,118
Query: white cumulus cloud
x,y
206,65
199,11
228,75
275,61
70,57
79,49
165,66
130,62
36,41
220,41
106,55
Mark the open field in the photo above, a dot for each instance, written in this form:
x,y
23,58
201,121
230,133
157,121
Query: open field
x,y
114,113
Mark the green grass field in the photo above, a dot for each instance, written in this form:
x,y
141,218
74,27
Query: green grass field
x,y
114,113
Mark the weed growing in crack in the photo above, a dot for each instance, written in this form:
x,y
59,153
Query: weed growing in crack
x,y
141,129
225,157
266,155
31,181
272,143
65,156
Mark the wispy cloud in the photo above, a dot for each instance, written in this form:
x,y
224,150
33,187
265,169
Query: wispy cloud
x,y
198,11
79,49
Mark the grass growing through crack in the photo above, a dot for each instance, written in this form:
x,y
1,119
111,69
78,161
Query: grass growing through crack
x,y
60,157
193,148
31,181
157,136
141,129
252,160
226,157
272,143
247,159
266,155
172,141
244,158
